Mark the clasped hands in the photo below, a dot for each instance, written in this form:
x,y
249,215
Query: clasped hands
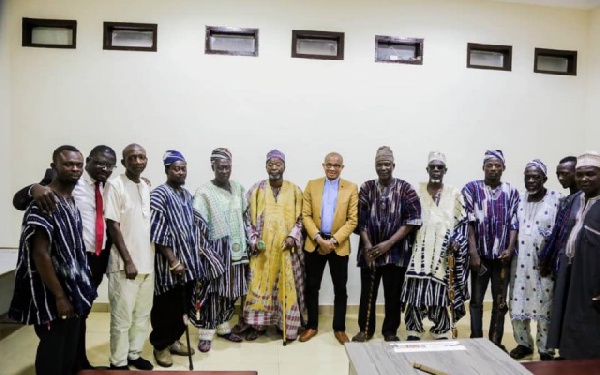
x,y
370,253
325,246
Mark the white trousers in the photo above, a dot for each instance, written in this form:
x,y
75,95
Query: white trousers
x,y
130,305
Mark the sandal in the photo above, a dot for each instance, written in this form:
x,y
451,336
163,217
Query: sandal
x,y
231,337
253,334
204,346
240,328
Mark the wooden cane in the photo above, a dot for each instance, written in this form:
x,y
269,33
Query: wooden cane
x,y
451,296
501,307
186,321
283,282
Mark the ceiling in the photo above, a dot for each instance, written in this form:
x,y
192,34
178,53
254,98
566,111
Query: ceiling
x,y
577,4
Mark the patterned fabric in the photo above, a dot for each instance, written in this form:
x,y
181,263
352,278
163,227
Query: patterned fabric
x,y
271,220
220,153
585,205
530,294
493,213
557,241
226,241
275,154
494,154
32,302
537,163
223,211
381,212
174,224
172,156
427,276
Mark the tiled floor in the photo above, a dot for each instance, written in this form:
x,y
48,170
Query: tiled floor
x,y
267,355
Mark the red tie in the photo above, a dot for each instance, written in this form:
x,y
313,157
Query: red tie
x,y
99,219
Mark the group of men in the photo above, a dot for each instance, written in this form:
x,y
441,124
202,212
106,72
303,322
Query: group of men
x,y
171,257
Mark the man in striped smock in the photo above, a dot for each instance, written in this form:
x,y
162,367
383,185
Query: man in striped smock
x,y
53,288
388,213
444,230
221,202
174,231
493,225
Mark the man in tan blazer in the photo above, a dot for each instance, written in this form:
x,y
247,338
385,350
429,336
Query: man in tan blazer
x,y
329,215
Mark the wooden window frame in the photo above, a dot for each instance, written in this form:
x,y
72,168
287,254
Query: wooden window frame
x,y
504,49
338,37
571,57
28,24
418,43
109,27
241,31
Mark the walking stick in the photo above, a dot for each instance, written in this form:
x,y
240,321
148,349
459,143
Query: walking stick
x,y
184,308
370,299
283,310
502,308
450,261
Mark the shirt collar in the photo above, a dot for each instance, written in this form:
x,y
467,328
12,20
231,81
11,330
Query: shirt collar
x,y
332,182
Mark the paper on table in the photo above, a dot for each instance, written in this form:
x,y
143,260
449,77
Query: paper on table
x,y
433,346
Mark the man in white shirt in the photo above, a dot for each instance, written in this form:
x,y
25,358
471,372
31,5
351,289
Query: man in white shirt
x,y
131,261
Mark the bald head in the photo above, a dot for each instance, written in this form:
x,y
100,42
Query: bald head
x,y
130,147
134,160
336,155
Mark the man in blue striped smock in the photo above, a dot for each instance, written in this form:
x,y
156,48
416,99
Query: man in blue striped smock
x,y
388,213
53,288
491,206
444,230
221,202
177,260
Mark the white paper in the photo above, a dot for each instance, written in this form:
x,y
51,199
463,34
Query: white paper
x,y
435,346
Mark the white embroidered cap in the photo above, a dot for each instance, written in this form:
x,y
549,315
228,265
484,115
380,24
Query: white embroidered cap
x,y
589,159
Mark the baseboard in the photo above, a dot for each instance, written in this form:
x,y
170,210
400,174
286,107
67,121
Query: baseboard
x,y
323,309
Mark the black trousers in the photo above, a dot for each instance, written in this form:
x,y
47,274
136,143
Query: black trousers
x,y
97,264
167,313
479,284
393,278
338,268
57,348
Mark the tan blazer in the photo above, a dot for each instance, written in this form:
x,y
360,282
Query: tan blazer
x,y
345,218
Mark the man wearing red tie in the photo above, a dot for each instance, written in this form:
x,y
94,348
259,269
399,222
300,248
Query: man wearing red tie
x,y
88,199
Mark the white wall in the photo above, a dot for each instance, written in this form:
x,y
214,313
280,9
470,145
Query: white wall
x,y
592,135
181,98
7,235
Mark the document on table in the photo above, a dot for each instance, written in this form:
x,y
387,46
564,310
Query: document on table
x,y
430,346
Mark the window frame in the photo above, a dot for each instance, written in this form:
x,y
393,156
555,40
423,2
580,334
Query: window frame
x,y
400,41
571,57
28,24
338,37
506,50
224,30
110,26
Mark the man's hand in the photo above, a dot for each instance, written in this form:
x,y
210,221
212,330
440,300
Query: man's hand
x,y
179,270
44,197
505,256
64,308
381,248
130,270
325,246
474,262
289,243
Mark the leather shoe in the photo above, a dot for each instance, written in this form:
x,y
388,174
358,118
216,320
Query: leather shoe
x,y
362,337
308,334
391,338
341,337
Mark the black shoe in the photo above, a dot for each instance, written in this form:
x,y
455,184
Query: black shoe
x,y
113,367
546,357
520,352
362,337
391,338
140,364
413,338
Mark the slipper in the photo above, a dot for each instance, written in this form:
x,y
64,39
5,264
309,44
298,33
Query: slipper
x,y
253,334
240,328
204,346
231,337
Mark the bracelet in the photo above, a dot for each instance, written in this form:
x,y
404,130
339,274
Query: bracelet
x,y
175,266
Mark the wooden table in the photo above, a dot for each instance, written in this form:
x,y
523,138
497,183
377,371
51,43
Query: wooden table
x,y
571,367
480,357
157,371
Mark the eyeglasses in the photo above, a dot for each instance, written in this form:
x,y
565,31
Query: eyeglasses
x,y
437,167
108,167
334,166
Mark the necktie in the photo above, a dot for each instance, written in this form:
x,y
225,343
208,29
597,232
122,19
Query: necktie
x,y
99,219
